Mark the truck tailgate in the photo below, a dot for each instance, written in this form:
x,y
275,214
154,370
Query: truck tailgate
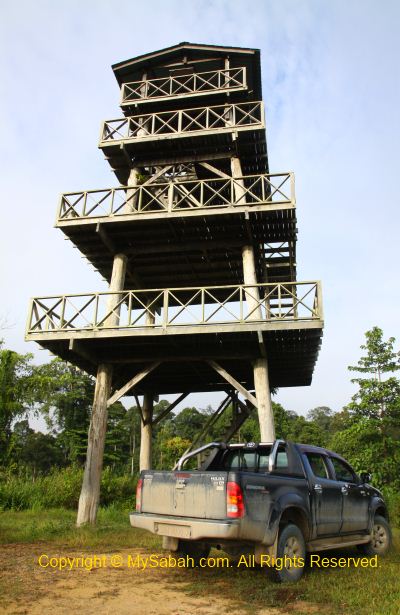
x,y
185,494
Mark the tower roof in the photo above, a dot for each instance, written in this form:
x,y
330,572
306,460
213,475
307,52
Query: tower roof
x,y
191,54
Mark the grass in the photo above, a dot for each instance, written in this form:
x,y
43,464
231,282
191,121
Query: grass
x,y
331,591
337,591
112,530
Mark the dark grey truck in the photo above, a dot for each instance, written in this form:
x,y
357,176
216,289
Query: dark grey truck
x,y
279,500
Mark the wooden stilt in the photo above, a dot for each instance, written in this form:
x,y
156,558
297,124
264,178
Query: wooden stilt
x,y
146,433
90,493
145,459
264,403
260,366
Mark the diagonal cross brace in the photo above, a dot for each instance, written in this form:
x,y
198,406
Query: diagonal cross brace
x,y
222,372
171,406
131,383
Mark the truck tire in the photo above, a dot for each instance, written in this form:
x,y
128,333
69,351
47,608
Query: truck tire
x,y
291,546
382,538
194,550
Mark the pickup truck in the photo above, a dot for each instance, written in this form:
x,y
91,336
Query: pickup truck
x,y
277,499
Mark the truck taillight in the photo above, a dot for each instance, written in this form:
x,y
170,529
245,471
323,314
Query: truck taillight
x,y
139,495
234,501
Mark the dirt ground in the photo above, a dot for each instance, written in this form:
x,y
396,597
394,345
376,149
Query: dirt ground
x,y
28,588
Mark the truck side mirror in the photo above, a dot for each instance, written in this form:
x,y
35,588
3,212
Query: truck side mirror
x,y
365,477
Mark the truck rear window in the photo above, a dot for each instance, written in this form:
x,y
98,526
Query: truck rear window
x,y
246,461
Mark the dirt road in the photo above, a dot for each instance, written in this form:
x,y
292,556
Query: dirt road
x,y
115,589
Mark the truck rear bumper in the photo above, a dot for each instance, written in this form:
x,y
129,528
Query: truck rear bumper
x,y
185,527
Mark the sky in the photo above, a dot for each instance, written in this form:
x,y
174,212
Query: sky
x,y
331,90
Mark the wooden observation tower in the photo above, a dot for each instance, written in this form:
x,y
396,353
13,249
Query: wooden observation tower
x,y
198,245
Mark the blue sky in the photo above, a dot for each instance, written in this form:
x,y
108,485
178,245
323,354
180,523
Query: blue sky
x,y
331,90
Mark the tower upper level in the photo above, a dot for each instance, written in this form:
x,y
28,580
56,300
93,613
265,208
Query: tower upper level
x,y
187,72
184,209
188,102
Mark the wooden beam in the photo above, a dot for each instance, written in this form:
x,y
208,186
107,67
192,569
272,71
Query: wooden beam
x,y
181,187
234,327
102,233
213,169
126,155
131,383
247,224
126,359
209,423
222,372
139,408
77,347
169,409
237,422
229,243
159,173
156,162
137,401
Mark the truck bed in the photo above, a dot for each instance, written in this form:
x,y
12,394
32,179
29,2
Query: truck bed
x,y
185,494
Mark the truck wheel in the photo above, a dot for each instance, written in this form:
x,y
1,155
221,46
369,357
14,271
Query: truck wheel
x,y
291,553
381,538
194,550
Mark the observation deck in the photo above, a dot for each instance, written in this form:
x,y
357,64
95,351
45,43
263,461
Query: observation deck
x,y
187,71
187,325
187,230
200,133
185,86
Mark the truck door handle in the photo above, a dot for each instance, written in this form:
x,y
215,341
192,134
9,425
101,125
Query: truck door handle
x,y
318,488
345,489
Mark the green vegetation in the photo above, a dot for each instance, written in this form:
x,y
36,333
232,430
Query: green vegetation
x,y
57,525
348,591
61,488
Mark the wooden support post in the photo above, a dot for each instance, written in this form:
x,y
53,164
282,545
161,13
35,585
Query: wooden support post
x,y
260,366
249,277
116,284
146,432
240,190
143,131
145,459
90,492
132,195
264,404
226,74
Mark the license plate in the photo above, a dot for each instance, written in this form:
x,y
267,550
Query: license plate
x,y
169,529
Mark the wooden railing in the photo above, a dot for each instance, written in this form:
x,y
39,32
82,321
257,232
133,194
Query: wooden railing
x,y
191,307
208,82
180,196
153,125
